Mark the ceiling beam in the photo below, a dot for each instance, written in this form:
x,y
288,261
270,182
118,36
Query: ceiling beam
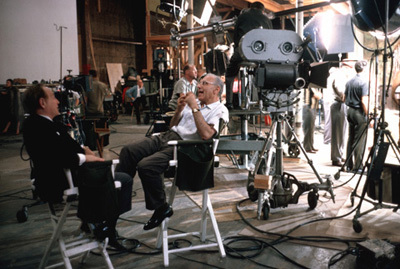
x,y
271,5
237,4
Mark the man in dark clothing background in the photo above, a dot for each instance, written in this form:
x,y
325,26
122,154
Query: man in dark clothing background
x,y
356,98
249,19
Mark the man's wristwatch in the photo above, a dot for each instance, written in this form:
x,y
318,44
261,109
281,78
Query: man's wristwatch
x,y
194,110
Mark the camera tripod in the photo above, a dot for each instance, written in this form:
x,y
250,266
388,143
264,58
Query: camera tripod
x,y
279,193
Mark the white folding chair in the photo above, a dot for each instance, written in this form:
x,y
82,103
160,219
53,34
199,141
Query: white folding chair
x,y
163,235
77,246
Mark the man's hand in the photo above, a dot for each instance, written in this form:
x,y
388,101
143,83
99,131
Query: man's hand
x,y
93,158
88,151
181,103
190,100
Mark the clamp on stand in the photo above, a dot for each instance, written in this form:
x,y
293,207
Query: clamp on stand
x,y
279,192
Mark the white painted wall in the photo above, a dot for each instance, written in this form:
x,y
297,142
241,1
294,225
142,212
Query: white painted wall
x,y
30,43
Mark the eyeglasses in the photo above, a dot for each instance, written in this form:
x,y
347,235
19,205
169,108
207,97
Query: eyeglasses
x,y
205,83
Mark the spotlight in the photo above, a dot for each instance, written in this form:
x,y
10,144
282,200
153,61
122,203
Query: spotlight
x,y
369,15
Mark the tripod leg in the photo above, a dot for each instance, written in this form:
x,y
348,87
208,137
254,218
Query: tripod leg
x,y
309,161
252,192
395,148
327,185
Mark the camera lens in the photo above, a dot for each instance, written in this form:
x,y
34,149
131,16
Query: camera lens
x,y
287,47
258,46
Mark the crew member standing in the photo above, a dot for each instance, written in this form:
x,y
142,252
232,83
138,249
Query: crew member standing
x,y
249,19
311,97
96,96
338,79
186,84
356,99
137,95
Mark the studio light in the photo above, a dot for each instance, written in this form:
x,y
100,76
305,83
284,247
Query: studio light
x,y
369,15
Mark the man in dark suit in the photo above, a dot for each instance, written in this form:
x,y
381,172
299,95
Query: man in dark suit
x,y
52,149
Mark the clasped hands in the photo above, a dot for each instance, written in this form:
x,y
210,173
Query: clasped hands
x,y
187,99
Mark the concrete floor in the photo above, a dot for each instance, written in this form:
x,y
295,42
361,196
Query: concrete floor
x,y
22,244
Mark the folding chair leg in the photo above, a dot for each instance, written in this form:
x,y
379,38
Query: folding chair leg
x,y
67,262
165,241
160,235
56,234
105,255
203,227
215,228
100,146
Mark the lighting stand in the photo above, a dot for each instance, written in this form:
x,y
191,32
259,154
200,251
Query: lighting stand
x,y
60,29
378,152
157,114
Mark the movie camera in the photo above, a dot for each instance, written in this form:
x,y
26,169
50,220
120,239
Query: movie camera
x,y
279,70
278,54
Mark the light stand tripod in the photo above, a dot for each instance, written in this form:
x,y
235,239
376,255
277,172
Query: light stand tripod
x,y
378,152
279,194
157,114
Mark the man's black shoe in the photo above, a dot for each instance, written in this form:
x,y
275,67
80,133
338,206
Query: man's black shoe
x,y
337,163
164,211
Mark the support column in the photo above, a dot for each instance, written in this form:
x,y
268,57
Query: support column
x,y
191,38
299,105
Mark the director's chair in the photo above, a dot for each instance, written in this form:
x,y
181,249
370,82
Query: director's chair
x,y
203,182
77,245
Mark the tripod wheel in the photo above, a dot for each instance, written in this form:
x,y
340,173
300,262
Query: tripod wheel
x,y
357,227
312,199
252,192
294,150
265,210
22,215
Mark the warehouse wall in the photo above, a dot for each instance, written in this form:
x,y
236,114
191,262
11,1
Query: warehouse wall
x,y
30,43
118,34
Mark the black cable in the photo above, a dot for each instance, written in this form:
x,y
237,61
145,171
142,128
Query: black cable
x,y
262,245
287,236
340,255
203,263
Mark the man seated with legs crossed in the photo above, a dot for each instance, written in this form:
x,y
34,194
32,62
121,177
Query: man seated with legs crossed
x,y
52,150
193,119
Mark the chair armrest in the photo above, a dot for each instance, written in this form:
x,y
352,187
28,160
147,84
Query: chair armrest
x,y
190,142
113,166
72,192
117,184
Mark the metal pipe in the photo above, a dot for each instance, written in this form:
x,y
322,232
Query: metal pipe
x,y
205,29
190,39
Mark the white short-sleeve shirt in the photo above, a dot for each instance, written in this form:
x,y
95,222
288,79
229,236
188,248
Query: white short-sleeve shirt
x,y
211,114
